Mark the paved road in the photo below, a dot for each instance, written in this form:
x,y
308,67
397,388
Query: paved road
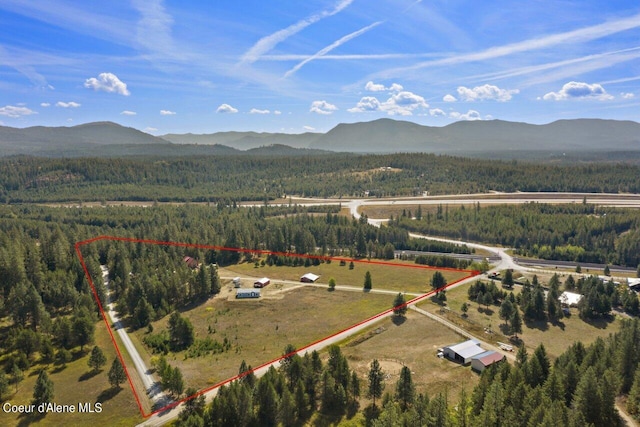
x,y
151,385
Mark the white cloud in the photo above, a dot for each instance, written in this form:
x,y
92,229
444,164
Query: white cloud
x,y
399,104
167,113
322,107
128,113
267,43
70,104
15,112
107,82
277,112
150,129
309,128
578,90
256,111
376,87
226,108
45,104
449,98
469,115
436,112
486,92
627,95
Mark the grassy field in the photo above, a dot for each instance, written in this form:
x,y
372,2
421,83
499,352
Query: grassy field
x,y
393,275
412,343
74,384
260,329
556,338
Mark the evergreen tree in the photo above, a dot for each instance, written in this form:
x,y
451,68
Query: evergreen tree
x,y
587,399
633,401
438,281
176,382
43,389
83,328
332,284
376,381
4,385
405,389
507,279
367,281
16,375
97,359
399,306
116,374
506,311
516,322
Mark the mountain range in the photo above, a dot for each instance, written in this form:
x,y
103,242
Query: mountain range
x,y
378,136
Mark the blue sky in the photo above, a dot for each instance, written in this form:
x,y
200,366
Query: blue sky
x,y
293,66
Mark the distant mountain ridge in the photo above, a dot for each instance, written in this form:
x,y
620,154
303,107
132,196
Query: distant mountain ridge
x,y
377,136
386,135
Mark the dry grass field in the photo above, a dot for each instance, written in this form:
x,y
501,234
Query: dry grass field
x,y
412,343
259,330
392,275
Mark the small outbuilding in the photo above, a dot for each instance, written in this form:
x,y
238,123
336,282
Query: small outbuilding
x,y
237,282
309,278
261,283
248,293
463,352
569,299
191,262
483,360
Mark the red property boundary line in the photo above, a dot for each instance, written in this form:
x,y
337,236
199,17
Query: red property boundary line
x,y
78,246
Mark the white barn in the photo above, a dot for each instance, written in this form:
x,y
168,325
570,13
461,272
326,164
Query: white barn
x,y
463,352
309,278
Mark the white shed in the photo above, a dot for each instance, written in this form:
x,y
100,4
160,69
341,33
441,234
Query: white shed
x,y
463,352
309,278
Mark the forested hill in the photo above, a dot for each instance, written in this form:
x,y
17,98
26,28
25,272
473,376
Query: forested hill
x,y
494,139
471,137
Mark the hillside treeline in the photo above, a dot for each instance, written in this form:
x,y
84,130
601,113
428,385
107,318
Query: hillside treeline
x,y
228,178
571,232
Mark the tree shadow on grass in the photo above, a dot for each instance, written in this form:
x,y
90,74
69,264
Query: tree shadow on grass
x,y
398,320
599,322
541,325
108,394
28,419
88,375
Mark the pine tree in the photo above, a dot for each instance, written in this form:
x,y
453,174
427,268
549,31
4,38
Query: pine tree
x,y
633,402
405,389
97,359
516,322
4,385
376,381
438,281
399,306
367,281
506,311
43,389
507,280
116,374
332,284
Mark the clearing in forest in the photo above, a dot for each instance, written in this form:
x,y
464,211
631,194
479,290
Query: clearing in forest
x,y
258,330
